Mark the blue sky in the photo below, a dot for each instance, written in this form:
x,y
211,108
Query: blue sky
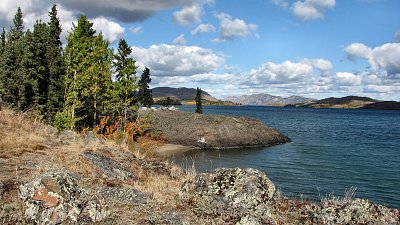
x,y
313,48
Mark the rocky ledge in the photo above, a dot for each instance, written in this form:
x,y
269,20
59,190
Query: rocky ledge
x,y
247,196
225,196
212,131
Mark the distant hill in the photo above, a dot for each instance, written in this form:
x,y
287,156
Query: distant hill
x,y
182,94
268,100
385,105
350,102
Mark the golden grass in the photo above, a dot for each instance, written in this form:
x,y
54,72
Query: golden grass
x,y
19,135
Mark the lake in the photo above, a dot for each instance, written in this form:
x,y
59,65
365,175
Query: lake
x,y
332,150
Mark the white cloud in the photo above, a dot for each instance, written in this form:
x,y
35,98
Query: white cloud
x,y
397,36
280,73
180,40
172,60
233,28
281,3
347,79
137,30
112,31
386,56
188,15
357,50
312,9
321,64
203,28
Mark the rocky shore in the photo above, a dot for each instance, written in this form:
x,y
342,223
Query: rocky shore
x,y
212,131
68,178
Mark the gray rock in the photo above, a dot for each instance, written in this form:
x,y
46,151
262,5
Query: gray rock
x,y
355,211
55,198
109,167
231,194
128,196
213,131
166,218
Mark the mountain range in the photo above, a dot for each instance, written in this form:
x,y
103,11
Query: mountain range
x,y
183,94
268,100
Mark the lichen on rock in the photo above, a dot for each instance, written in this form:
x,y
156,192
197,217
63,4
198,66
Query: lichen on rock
x,y
53,198
231,194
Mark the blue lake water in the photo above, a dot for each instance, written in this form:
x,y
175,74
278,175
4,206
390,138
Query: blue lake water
x,y
331,151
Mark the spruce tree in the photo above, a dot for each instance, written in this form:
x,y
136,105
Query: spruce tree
x,y
125,85
198,101
56,66
34,67
2,58
144,94
12,74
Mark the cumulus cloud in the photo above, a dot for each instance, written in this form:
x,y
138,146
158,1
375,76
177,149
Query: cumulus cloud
x,y
203,28
112,31
280,73
137,30
386,56
397,36
357,50
188,15
347,79
312,9
234,28
172,60
321,64
180,40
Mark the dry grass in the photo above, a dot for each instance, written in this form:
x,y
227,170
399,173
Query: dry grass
x,y
28,148
19,134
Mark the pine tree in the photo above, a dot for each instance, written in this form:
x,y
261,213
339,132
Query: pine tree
x,y
77,59
198,101
144,94
56,66
97,78
125,85
88,61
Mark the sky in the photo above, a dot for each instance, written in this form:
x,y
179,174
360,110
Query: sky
x,y
311,48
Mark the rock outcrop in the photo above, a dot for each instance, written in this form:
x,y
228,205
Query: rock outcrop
x,y
212,131
247,196
233,194
54,198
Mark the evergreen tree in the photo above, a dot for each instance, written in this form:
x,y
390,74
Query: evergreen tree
x,y
2,58
144,94
56,66
198,101
125,85
88,61
97,78
34,67
11,74
77,59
